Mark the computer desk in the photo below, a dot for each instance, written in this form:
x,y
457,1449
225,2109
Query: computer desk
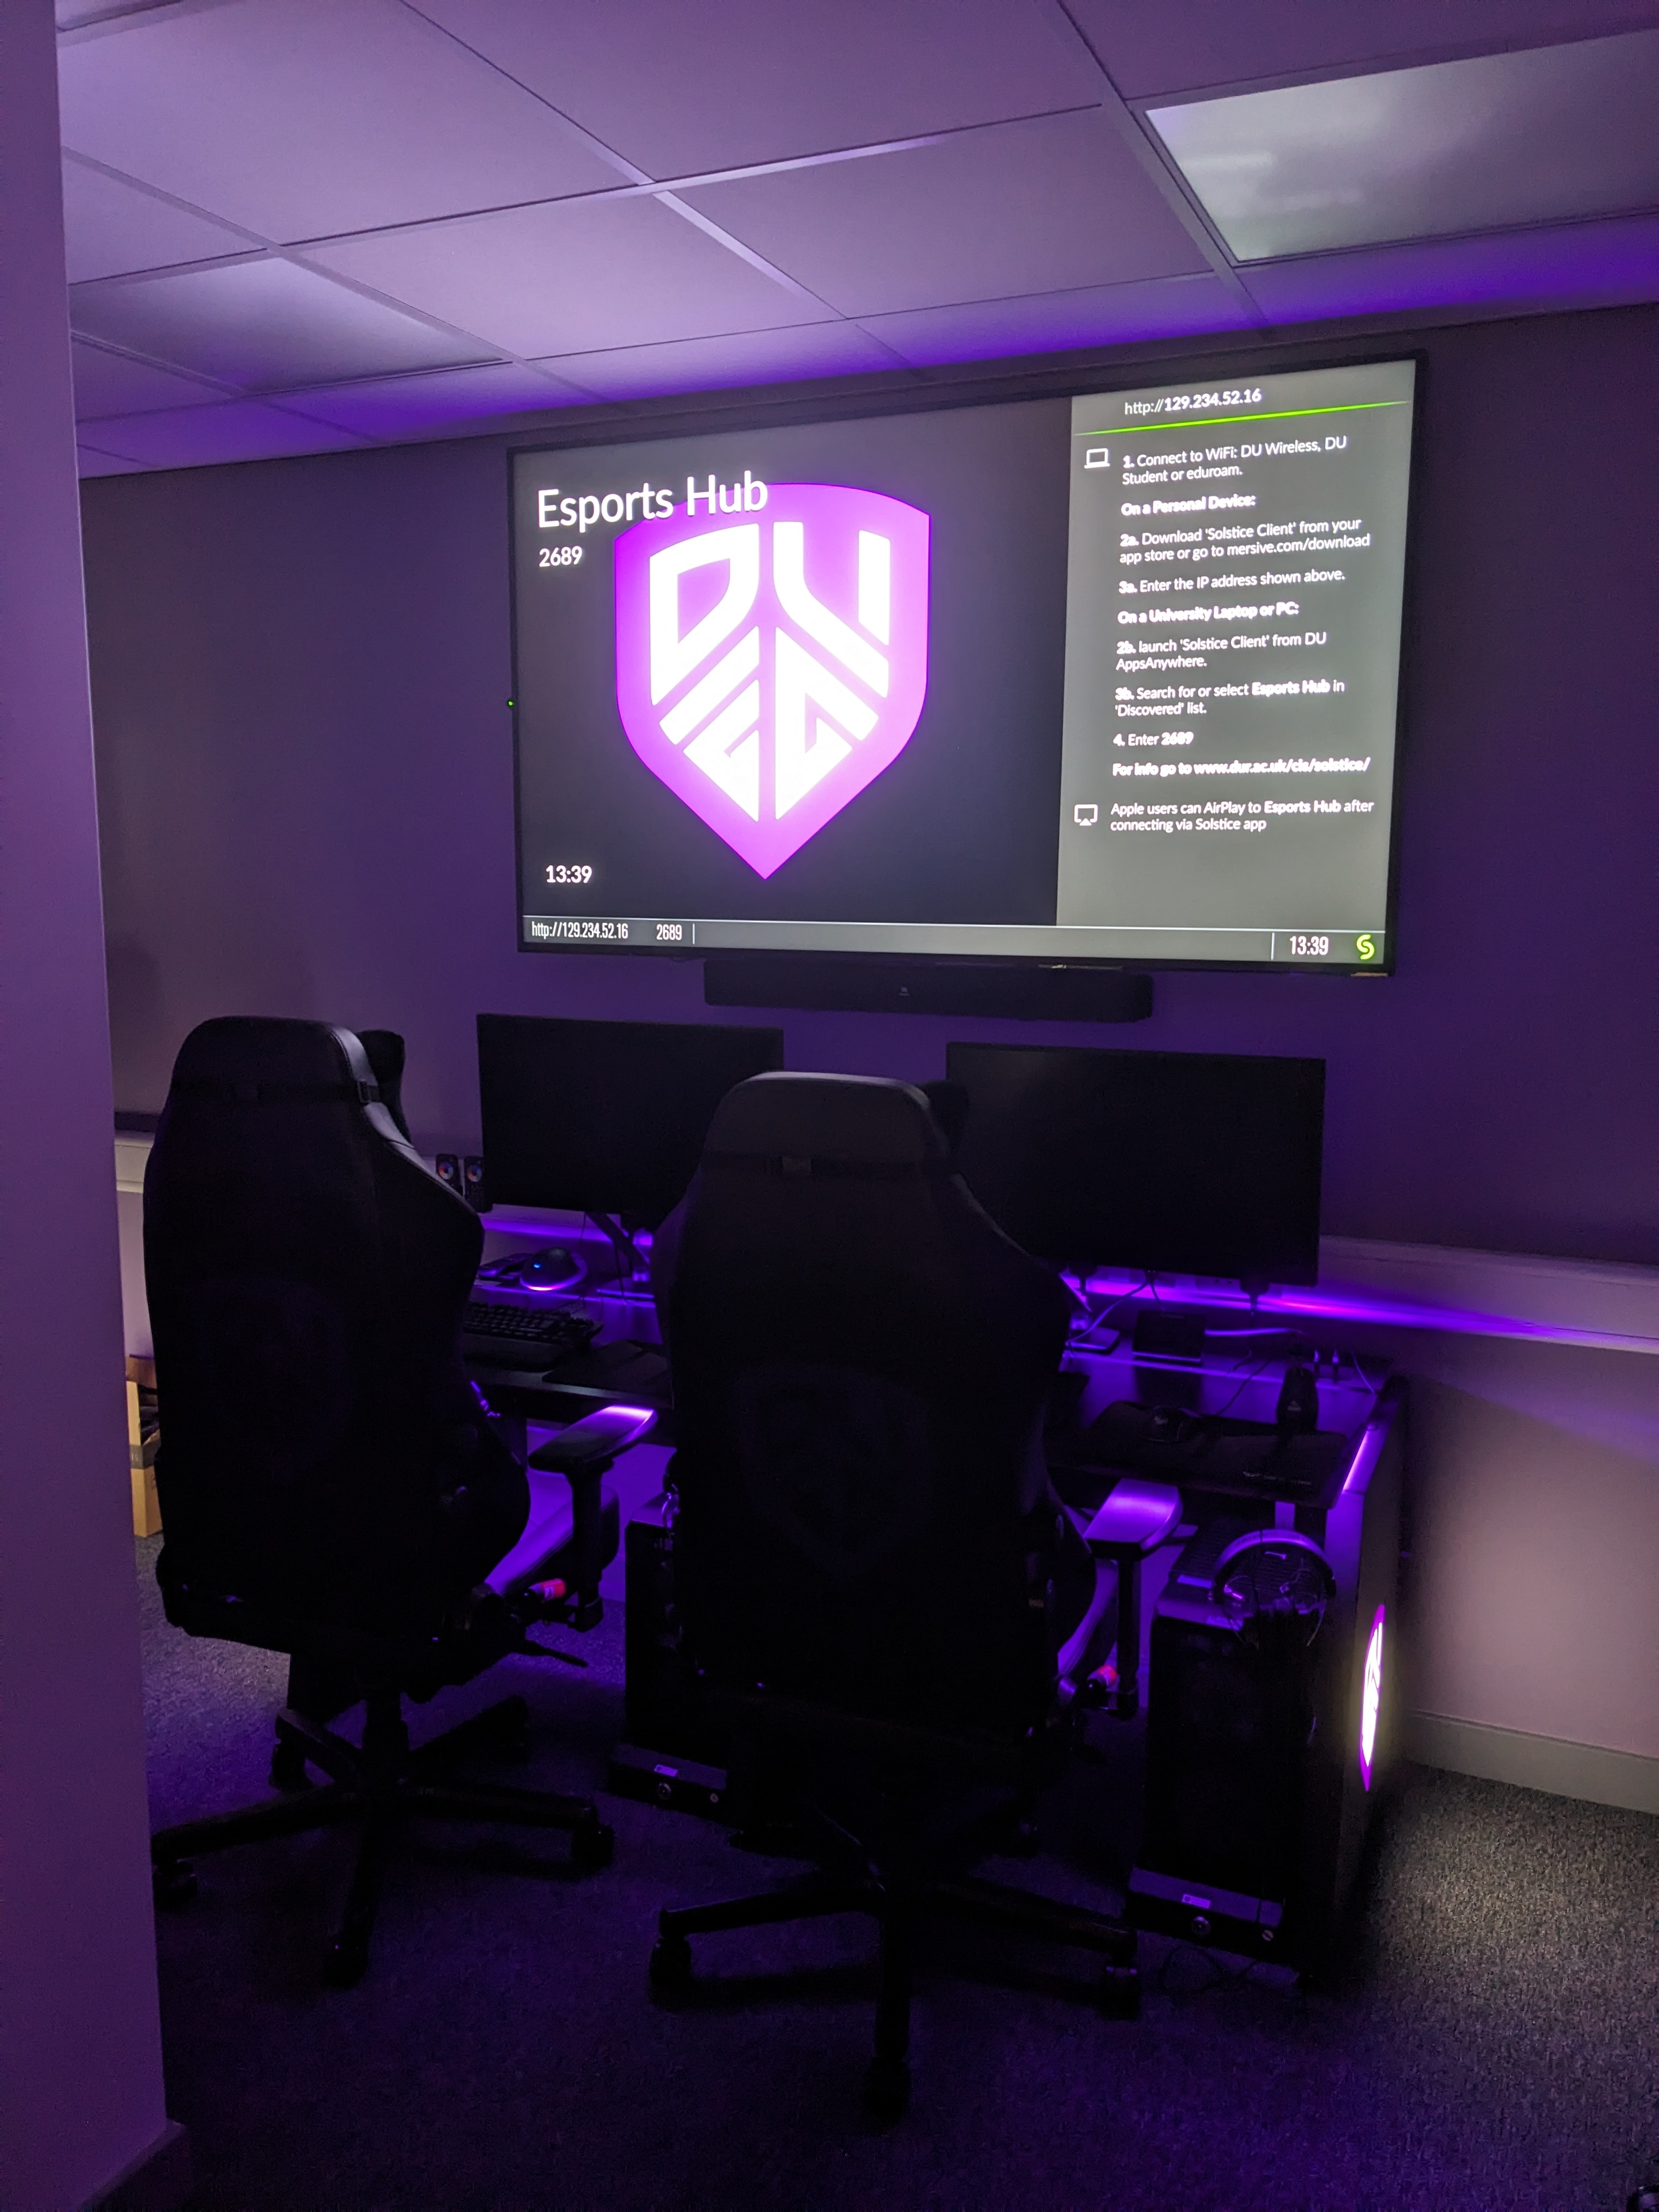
x,y
625,1314
1353,1518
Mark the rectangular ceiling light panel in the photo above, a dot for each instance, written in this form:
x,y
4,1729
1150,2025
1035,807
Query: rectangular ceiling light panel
x,y
1553,134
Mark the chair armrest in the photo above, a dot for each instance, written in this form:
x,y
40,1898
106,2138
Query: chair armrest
x,y
1135,1520
1137,1517
589,1446
582,1453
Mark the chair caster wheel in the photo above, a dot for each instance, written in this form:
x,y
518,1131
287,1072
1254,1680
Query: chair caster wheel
x,y
288,1766
1120,1992
671,1963
347,1962
887,2088
592,1845
173,1883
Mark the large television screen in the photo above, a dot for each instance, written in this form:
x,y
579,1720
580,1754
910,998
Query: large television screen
x,y
1111,678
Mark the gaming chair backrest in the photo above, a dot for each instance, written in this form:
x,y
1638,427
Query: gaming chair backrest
x,y
321,1450
385,1052
860,1362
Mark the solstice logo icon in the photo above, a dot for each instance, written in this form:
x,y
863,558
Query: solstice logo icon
x,y
768,670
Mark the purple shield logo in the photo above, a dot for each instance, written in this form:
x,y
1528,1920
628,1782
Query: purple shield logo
x,y
771,667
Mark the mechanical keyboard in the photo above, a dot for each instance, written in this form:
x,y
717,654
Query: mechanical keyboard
x,y
520,1336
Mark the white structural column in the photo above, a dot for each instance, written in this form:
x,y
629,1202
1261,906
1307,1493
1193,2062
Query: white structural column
x,y
81,2111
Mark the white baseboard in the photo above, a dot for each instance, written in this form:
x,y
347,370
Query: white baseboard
x,y
1534,1762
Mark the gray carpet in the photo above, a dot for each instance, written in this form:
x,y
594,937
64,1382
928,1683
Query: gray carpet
x,y
1490,2042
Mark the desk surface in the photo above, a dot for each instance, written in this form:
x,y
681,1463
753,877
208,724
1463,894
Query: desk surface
x,y
1239,1375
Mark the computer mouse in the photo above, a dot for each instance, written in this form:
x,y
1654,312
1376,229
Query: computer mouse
x,y
551,1268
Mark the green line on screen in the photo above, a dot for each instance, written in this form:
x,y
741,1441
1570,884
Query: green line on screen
x,y
1205,422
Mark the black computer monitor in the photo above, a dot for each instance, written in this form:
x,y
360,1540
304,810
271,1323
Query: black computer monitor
x,y
1176,1163
606,1117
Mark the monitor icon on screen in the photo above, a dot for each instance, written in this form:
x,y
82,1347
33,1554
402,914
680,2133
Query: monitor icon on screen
x,y
1085,817
1096,457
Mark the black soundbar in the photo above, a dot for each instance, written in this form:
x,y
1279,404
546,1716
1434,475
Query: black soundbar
x,y
867,984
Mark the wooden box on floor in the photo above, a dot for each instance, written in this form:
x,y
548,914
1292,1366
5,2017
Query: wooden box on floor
x,y
143,1437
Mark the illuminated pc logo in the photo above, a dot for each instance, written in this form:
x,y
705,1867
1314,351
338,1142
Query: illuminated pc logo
x,y
768,671
1370,1699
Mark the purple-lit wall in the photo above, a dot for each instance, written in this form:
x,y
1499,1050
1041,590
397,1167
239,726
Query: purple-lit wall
x,y
300,671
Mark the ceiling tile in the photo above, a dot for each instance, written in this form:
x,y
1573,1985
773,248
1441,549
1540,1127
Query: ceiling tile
x,y
403,406
91,462
110,384
1062,322
569,278
301,119
261,323
712,364
1027,207
1550,135
110,228
683,89
1183,46
200,437
1590,265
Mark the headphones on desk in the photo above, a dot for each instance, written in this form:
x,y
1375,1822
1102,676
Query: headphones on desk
x,y
1276,1575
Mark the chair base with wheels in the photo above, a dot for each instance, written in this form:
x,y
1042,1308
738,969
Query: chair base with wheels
x,y
382,1786
550,1576
905,1875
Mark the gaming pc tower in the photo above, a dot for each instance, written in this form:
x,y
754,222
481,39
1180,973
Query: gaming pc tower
x,y
1269,1714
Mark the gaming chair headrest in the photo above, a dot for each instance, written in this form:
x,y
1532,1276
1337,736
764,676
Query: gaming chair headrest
x,y
951,1104
249,1060
386,1052
810,1124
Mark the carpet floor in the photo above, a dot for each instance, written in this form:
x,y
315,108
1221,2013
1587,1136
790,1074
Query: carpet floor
x,y
1489,2041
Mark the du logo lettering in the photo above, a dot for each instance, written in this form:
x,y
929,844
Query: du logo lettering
x,y
768,670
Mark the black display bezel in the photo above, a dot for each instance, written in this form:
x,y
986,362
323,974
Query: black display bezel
x,y
863,398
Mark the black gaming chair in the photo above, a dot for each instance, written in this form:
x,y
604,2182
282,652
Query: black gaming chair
x,y
870,1565
331,1486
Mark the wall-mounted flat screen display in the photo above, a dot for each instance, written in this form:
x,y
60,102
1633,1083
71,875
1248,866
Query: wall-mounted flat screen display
x,y
1112,677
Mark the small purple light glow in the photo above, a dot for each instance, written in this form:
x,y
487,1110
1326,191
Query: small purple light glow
x,y
1370,1697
